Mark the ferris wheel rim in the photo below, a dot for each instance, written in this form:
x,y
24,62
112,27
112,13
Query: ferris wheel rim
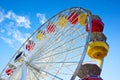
x,y
39,28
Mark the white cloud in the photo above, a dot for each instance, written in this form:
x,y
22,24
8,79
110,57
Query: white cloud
x,y
1,16
2,30
9,41
10,15
17,35
10,24
41,17
16,38
21,21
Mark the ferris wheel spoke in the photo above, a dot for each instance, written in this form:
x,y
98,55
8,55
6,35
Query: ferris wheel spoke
x,y
56,62
59,63
70,58
58,33
37,73
66,26
58,41
64,31
58,70
55,41
17,74
52,75
62,37
58,53
61,45
41,70
69,68
34,73
69,40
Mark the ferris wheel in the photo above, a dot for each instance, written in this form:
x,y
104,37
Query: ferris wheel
x,y
57,49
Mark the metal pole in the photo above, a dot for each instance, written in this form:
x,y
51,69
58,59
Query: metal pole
x,y
23,73
102,63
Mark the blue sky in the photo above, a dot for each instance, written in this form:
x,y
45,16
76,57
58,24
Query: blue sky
x,y
18,19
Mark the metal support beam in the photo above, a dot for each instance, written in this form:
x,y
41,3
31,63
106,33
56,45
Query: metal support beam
x,y
24,70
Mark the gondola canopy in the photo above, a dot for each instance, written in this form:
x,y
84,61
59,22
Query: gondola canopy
x,y
97,36
12,66
89,69
96,17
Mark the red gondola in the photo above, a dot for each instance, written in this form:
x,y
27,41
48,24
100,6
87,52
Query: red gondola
x,y
97,26
51,28
9,71
73,17
30,45
92,77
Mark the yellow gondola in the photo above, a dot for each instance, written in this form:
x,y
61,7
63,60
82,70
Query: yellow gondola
x,y
62,20
20,60
97,50
82,18
40,35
